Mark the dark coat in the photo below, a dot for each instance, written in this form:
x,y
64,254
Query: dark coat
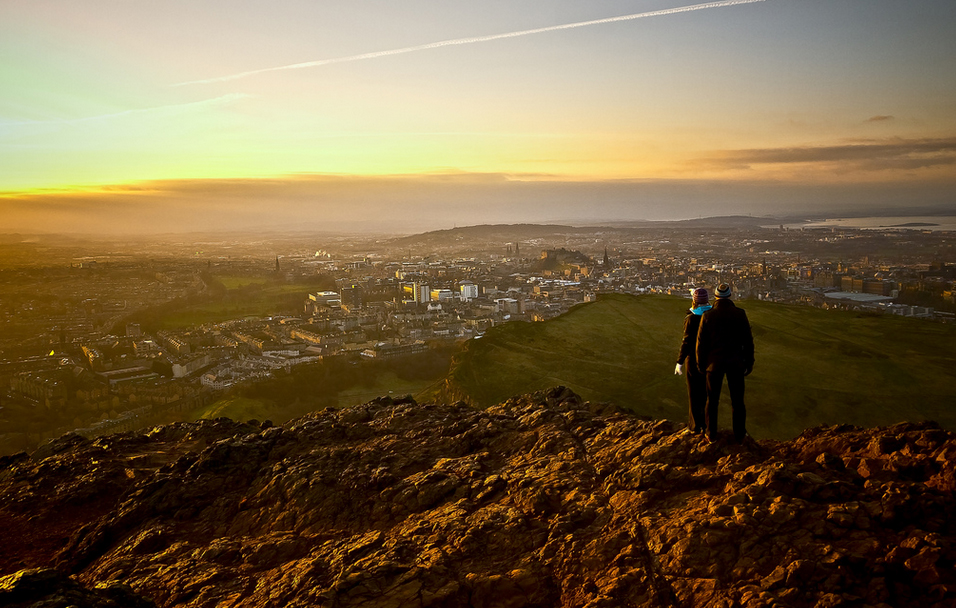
x,y
724,339
689,342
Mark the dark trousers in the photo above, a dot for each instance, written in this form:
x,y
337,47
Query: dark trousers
x,y
696,398
735,383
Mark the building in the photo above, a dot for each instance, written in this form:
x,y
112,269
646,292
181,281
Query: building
x,y
855,298
190,365
383,350
217,382
49,390
145,348
326,298
308,336
174,342
352,297
873,286
417,292
469,291
878,287
440,295
508,306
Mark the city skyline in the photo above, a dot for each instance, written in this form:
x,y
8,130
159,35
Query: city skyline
x,y
370,115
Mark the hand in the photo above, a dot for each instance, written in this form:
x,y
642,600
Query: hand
x,y
679,370
748,370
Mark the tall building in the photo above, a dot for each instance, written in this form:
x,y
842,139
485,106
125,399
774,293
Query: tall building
x,y
419,292
423,293
352,296
469,291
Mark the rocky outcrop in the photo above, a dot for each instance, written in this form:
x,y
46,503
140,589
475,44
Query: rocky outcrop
x,y
540,501
51,589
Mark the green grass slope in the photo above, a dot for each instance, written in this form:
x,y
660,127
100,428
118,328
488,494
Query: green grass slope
x,y
334,382
813,366
238,408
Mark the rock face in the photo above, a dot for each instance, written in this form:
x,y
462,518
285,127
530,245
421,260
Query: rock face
x,y
51,589
540,501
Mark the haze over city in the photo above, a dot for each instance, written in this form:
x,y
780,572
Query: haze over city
x,y
380,116
497,304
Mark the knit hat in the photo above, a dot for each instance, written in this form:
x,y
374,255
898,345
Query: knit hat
x,y
700,296
723,290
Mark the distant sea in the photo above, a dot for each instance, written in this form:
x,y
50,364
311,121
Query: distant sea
x,y
883,223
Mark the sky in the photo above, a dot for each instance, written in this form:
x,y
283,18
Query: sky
x,y
383,115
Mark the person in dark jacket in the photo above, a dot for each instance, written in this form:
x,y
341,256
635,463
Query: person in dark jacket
x,y
687,359
725,347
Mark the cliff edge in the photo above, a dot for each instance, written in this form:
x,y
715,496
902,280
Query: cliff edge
x,y
541,501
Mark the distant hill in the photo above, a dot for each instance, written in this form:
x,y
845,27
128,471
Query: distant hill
x,y
718,222
518,232
502,232
725,221
813,366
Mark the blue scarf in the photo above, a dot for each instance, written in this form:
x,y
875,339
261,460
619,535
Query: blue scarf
x,y
701,309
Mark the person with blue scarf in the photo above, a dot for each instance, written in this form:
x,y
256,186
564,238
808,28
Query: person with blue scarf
x,y
687,359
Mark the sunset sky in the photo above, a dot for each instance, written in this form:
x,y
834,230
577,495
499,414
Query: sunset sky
x,y
128,115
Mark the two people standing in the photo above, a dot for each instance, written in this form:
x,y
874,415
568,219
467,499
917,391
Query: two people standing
x,y
717,344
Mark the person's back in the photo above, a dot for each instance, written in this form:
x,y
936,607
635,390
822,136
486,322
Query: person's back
x,y
724,338
725,347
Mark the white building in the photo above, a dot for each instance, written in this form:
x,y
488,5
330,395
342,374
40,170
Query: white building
x,y
326,298
187,366
441,295
469,291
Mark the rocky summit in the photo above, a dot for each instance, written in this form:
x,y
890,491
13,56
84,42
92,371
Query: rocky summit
x,y
540,501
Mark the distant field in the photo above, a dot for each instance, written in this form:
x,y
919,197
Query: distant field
x,y
813,366
255,302
235,282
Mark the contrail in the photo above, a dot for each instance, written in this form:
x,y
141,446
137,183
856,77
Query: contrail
x,y
457,41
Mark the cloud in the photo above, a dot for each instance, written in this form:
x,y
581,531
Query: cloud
x,y
879,118
471,40
414,203
860,155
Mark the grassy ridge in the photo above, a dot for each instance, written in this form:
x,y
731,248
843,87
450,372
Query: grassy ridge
x,y
238,408
334,382
260,408
813,366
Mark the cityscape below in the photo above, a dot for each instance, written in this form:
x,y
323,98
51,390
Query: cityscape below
x,y
113,335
